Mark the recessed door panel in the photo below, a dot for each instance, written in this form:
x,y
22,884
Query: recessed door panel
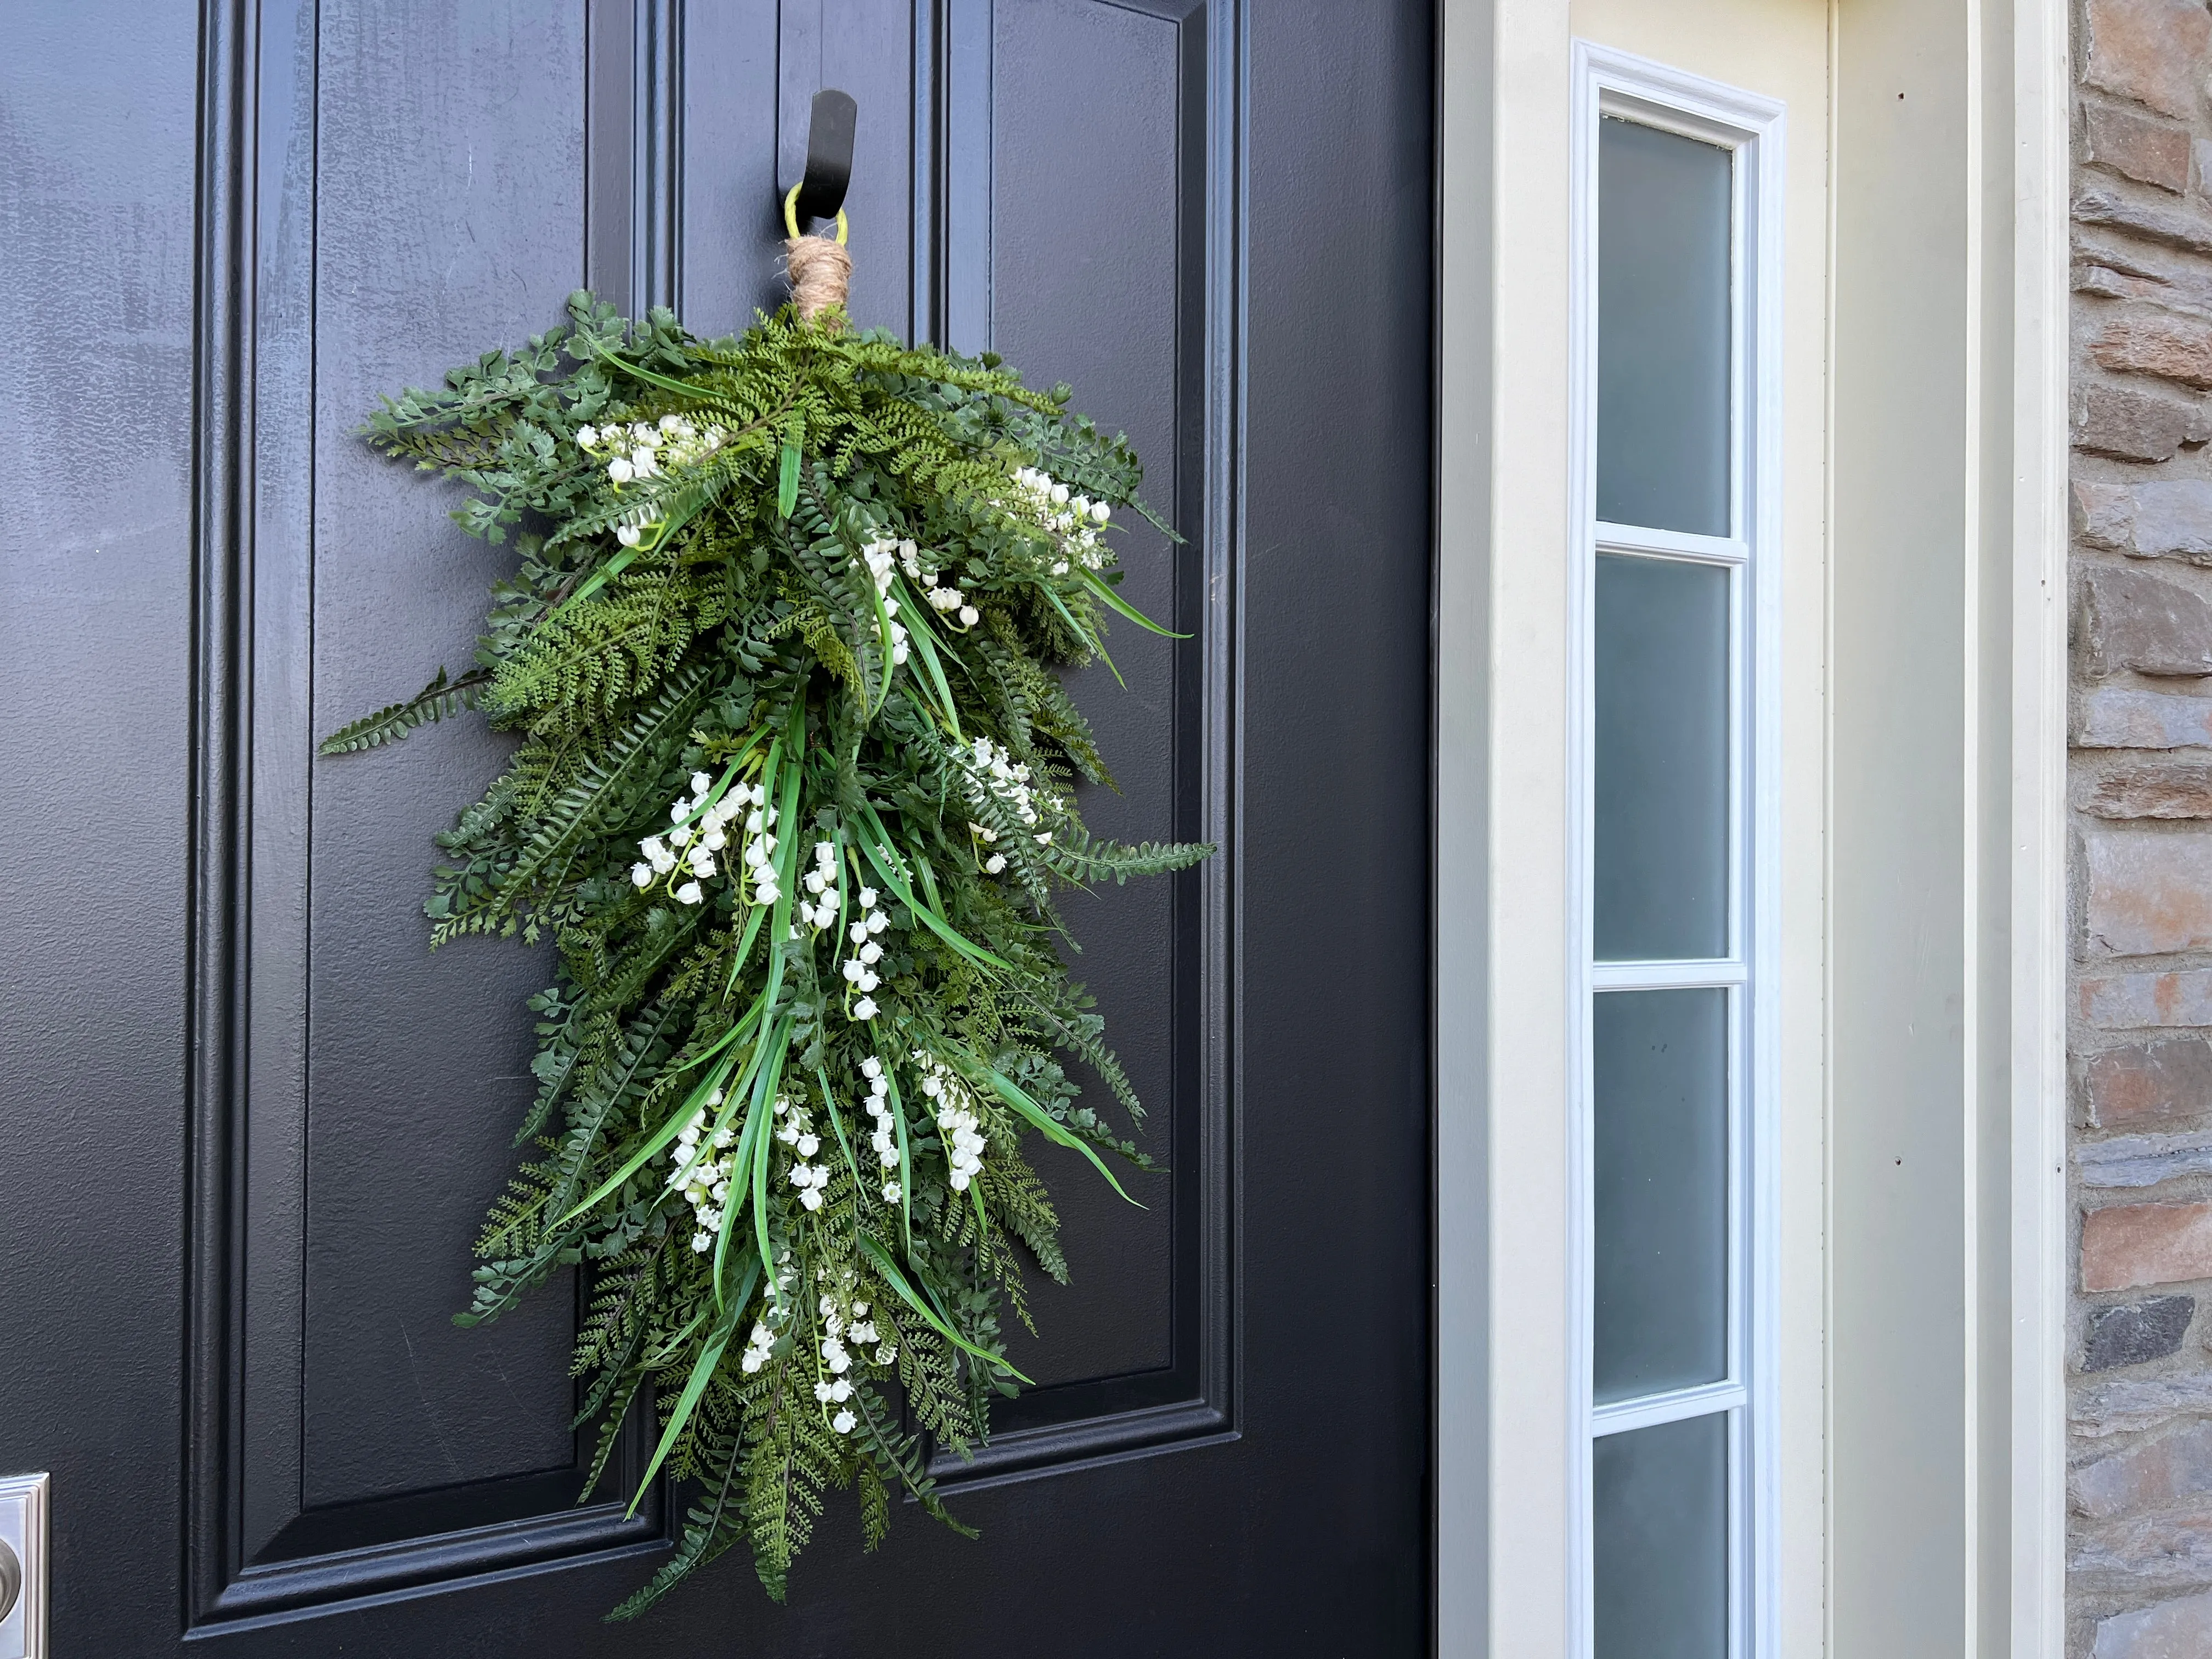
x,y
442,224
1087,177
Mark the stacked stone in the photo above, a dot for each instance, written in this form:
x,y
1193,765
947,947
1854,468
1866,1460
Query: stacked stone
x,y
2140,1545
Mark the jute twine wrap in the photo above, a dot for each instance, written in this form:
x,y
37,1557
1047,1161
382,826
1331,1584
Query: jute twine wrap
x,y
821,271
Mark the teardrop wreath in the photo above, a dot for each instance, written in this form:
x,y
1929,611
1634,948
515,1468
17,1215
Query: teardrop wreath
x,y
795,794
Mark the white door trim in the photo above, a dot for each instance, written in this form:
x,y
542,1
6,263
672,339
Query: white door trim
x,y
1503,1429
2042,301
1608,81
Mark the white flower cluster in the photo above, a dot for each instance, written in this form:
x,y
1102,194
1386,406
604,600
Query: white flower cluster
x,y
991,768
948,599
760,1347
797,1132
642,449
760,839
859,970
881,554
698,834
1074,520
700,1176
886,1139
957,1124
844,1321
776,1313
819,908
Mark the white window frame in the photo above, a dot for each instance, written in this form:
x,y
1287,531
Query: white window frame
x,y
1611,82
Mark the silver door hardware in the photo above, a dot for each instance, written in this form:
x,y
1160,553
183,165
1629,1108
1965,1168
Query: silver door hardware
x,y
23,1566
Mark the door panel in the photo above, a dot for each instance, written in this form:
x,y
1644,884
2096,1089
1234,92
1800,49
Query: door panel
x,y
399,222
1234,1409
97,173
1091,179
423,251
1089,230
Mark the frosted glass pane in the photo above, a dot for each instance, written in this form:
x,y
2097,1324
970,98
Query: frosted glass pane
x,y
1663,329
1661,761
1660,1086
1661,1549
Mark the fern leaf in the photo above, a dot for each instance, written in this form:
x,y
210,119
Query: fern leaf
x,y
711,1526
433,702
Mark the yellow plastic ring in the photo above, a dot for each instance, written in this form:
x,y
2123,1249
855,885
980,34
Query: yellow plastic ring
x,y
790,215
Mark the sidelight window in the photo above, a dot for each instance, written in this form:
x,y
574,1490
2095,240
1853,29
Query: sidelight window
x,y
1674,994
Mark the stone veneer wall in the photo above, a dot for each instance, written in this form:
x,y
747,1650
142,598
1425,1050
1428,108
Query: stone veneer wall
x,y
2140,1485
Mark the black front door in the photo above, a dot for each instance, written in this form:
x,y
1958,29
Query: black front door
x,y
250,1125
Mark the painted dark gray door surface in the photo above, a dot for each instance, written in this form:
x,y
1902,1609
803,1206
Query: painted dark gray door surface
x,y
247,1125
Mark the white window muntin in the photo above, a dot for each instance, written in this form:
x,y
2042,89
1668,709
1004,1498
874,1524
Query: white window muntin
x,y
1609,83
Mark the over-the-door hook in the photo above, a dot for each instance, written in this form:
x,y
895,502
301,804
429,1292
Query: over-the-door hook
x,y
820,194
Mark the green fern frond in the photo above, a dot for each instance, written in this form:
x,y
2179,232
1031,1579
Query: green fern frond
x,y
710,1526
1077,857
435,701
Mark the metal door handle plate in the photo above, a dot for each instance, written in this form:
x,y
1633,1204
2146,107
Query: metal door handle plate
x,y
23,1523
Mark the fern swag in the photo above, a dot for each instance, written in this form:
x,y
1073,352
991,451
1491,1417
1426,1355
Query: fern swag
x,y
793,797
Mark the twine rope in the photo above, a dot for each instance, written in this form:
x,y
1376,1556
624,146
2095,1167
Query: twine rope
x,y
821,273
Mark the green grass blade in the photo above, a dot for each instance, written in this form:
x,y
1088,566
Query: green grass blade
x,y
599,579
744,943
787,851
829,1105
638,371
771,1079
883,638
771,771
886,866
733,1208
1104,589
735,1034
787,481
670,1349
1091,641
779,913
923,636
1012,1093
702,1372
659,1137
906,1162
881,1257
928,878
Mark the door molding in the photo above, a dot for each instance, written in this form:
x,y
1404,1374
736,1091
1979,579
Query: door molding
x,y
1193,1402
2035,678
634,153
252,1555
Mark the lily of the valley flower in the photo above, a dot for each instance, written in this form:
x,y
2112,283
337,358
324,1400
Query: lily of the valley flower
x,y
701,1172
959,1125
697,825
1073,520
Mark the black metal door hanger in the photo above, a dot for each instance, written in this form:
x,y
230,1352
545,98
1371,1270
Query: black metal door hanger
x,y
820,193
